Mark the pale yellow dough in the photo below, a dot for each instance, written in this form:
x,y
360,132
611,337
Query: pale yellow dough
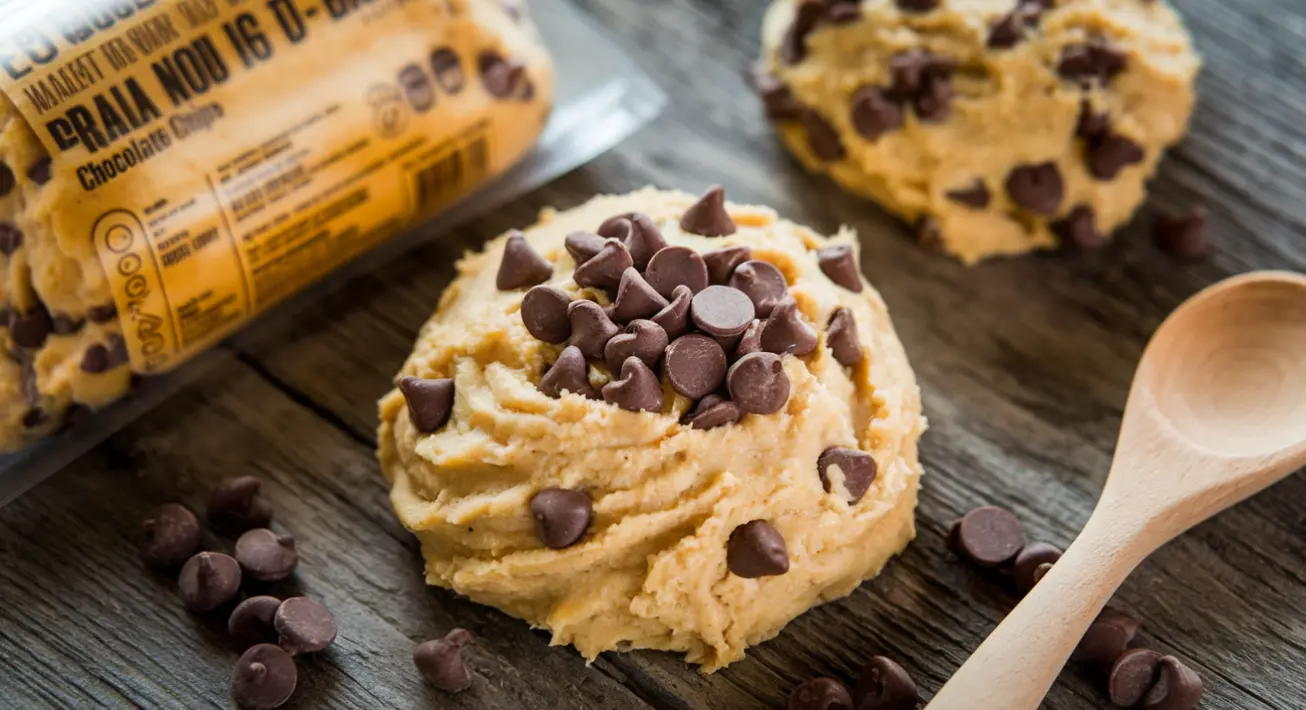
x,y
1011,108
651,570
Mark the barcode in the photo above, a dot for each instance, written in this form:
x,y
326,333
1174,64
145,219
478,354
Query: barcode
x,y
445,179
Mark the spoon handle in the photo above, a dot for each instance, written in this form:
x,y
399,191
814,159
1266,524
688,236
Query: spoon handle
x,y
1014,667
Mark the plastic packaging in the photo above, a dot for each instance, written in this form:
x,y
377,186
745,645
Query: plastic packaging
x,y
600,97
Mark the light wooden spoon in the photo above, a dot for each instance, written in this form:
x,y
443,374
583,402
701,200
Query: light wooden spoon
x,y
1216,413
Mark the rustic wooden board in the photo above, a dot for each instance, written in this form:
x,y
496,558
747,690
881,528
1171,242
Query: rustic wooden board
x,y
1024,363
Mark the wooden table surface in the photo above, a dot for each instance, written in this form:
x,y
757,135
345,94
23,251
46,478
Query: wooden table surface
x,y
1024,364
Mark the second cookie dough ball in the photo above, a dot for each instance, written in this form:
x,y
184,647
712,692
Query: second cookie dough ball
x,y
995,126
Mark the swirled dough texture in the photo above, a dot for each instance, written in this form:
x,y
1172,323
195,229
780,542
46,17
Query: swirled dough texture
x,y
1072,83
651,570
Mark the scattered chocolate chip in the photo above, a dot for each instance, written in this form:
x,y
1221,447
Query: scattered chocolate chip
x,y
764,285
11,238
1110,153
674,319
604,269
251,622
722,311
266,556
561,516
95,360
1010,29
786,333
643,339
208,580
591,329
751,340
695,365
838,263
841,336
637,390
756,549
917,5
544,312
777,100
1133,674
874,113
7,180
171,535
636,298
304,626
821,693
29,330
975,196
708,216
64,324
1031,557
638,232
1090,124
793,46
884,685
521,265
990,536
430,401
503,78
440,661
1037,188
582,246
1078,230
265,677
1107,638
569,374
236,506
822,138
721,263
758,383
103,314
712,411
1183,236
39,172
1085,63
1177,687
448,70
856,468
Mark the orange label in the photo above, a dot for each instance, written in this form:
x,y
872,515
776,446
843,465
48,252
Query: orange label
x,y
221,155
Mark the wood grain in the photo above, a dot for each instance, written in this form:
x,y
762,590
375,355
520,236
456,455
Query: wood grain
x,y
1024,365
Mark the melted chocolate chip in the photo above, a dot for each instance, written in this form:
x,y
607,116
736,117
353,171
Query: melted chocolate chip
x,y
561,516
430,401
756,549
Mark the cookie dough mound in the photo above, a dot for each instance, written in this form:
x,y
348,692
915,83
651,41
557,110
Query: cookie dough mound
x,y
590,495
995,126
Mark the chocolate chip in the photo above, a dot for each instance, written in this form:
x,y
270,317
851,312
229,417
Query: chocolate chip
x,y
591,329
721,263
929,235
841,336
1085,63
11,238
265,677
1028,561
1177,687
304,626
265,556
34,418
430,401
1010,29
636,298
1078,230
786,333
884,685
756,549
95,360
915,71
842,13
7,180
821,693
1107,638
604,269
638,232
838,263
171,535
822,138
758,383
103,314
976,196
711,412
236,506
677,266
722,311
503,78
1110,153
1090,125
1183,236
674,319
695,365
764,285
874,113
521,265
1037,188
544,312
117,351
777,100
569,374
208,580
1133,674
440,661
1041,571
64,324
917,5
251,621
990,536
708,216
643,339
29,330
934,102
751,340
448,70
39,172
857,470
561,516
793,46
582,246
637,390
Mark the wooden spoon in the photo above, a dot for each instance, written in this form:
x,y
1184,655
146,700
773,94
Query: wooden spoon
x,y
1216,413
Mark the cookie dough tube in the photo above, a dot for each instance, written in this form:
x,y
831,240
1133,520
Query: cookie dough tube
x,y
171,168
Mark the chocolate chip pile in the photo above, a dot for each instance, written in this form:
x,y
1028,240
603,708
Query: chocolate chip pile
x,y
992,538
716,325
883,685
